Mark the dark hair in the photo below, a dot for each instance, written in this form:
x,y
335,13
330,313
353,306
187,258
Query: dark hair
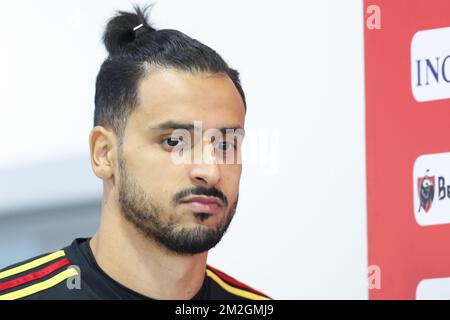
x,y
131,49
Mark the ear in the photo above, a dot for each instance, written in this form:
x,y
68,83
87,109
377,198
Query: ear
x,y
102,142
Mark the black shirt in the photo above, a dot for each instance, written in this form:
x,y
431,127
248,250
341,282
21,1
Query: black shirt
x,y
73,273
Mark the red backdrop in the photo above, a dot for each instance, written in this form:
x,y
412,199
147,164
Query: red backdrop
x,y
398,130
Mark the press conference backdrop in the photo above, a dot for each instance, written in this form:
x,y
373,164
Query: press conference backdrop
x,y
300,227
407,63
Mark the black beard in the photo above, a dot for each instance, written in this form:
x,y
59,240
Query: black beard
x,y
139,209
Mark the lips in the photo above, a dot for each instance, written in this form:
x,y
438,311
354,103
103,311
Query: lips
x,y
204,204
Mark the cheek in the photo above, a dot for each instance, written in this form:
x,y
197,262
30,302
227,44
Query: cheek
x,y
233,171
160,178
231,176
152,168
149,161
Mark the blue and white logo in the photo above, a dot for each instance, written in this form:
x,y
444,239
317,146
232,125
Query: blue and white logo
x,y
430,64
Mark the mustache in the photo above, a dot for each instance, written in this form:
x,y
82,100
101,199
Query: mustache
x,y
200,191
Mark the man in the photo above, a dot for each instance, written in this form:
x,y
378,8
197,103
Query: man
x,y
168,125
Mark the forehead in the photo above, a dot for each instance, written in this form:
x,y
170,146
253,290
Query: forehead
x,y
172,95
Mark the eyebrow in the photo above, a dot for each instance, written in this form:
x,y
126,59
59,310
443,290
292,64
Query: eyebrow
x,y
173,125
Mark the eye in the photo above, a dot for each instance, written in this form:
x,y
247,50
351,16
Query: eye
x,y
225,146
172,142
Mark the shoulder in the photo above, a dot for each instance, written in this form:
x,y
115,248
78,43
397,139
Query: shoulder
x,y
230,288
39,277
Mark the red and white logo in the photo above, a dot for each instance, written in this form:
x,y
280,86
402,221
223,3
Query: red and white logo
x,y
431,189
425,187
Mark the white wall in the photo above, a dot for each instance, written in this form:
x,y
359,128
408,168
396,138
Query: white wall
x,y
300,229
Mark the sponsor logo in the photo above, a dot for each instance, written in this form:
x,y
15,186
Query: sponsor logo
x,y
430,64
431,175
433,289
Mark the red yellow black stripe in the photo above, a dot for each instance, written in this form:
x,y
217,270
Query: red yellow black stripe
x,y
35,275
29,278
234,286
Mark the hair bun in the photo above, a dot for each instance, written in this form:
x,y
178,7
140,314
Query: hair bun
x,y
120,31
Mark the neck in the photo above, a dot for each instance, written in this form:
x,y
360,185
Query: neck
x,y
141,265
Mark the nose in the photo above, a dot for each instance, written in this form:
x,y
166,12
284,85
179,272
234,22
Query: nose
x,y
204,169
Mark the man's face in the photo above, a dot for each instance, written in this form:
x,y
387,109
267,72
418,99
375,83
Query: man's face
x,y
157,193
